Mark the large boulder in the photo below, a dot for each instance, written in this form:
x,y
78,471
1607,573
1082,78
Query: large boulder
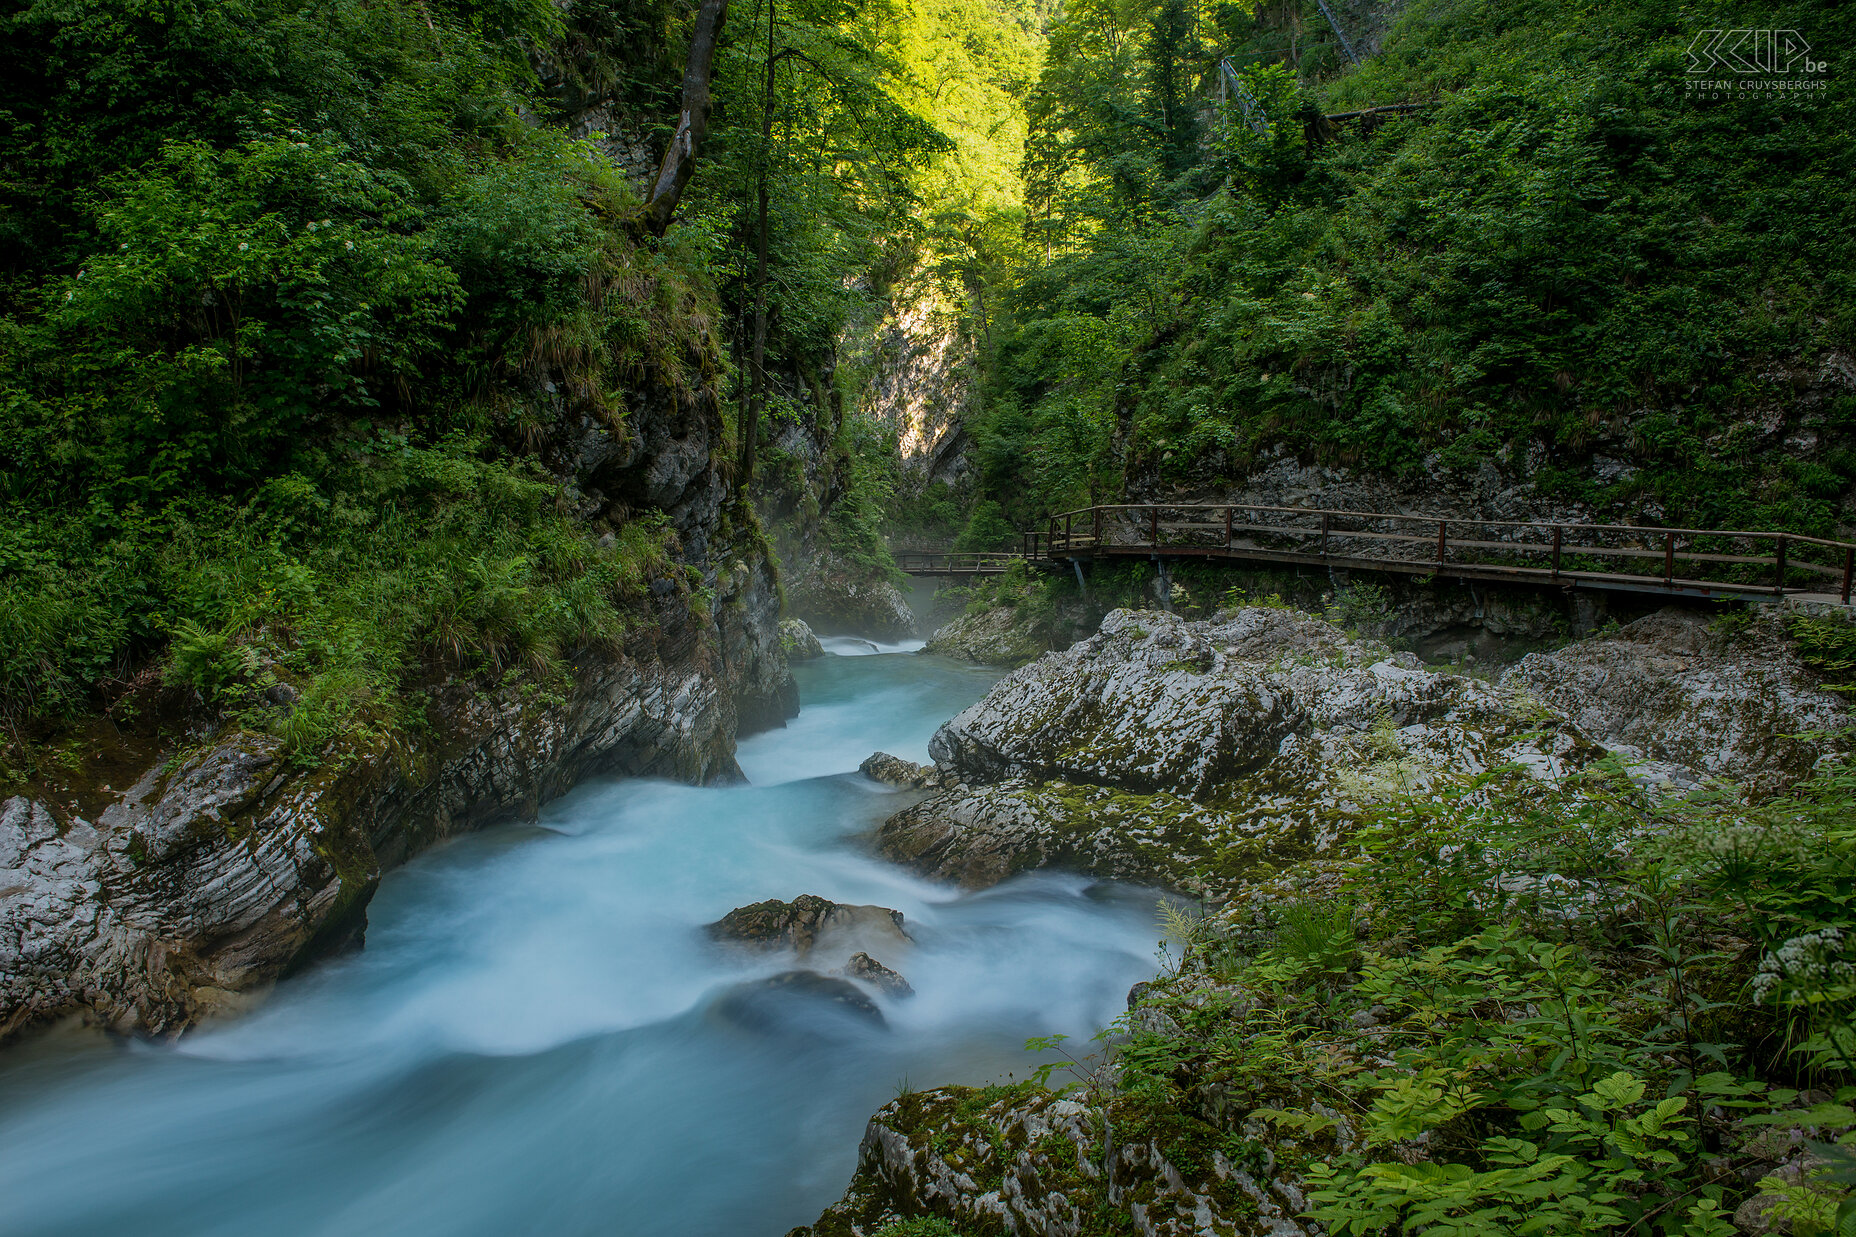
x,y
999,636
895,771
1195,755
1730,700
799,641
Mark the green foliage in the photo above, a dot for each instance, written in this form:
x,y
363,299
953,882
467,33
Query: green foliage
x,y
1827,644
1561,246
1537,1012
286,287
987,529
920,1226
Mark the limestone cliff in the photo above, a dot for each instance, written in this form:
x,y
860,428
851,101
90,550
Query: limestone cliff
x,y
211,870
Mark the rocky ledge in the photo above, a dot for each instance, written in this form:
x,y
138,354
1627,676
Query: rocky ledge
x,y
1205,755
223,868
1210,757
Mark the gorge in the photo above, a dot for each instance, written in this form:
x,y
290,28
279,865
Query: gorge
x,y
472,760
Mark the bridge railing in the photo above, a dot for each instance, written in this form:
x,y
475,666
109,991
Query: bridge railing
x,y
957,563
1684,558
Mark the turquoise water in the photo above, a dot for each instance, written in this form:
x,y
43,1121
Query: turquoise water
x,y
529,1043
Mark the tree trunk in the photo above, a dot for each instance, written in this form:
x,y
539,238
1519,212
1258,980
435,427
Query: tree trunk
x,y
757,357
673,175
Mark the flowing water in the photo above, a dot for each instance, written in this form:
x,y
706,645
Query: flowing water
x,y
531,1042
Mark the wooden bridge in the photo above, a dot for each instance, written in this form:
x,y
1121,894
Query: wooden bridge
x,y
1679,562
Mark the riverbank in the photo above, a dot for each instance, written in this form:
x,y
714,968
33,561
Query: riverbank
x,y
1435,909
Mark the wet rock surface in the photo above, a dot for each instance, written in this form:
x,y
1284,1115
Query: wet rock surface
x,y
793,1002
806,924
211,877
895,771
868,970
839,598
799,641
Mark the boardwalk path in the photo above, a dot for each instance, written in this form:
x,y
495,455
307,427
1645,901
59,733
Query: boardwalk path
x,y
1717,564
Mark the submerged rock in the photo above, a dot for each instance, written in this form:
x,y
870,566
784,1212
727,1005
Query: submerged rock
x,y
863,967
799,641
794,1000
808,923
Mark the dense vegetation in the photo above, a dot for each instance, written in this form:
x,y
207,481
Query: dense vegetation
x,y
1559,253
286,288
299,296
1584,1011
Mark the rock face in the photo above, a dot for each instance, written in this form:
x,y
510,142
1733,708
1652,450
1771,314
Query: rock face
x,y
226,867
1194,754
839,598
1678,689
215,876
1005,635
806,924
1202,755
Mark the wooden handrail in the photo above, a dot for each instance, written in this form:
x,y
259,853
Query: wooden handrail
x,y
1218,529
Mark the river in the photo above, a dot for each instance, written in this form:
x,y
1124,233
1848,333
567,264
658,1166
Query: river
x,y
530,1042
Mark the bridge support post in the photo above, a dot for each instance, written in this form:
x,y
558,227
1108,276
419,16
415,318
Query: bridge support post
x,y
1153,526
1559,538
1669,560
1442,526
1849,569
1324,534
1778,583
1227,528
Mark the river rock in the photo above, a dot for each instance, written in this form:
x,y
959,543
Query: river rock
x,y
791,1001
1728,700
863,967
808,923
799,641
1198,754
895,771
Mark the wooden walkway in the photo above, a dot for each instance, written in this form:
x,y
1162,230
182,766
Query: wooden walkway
x,y
1716,564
